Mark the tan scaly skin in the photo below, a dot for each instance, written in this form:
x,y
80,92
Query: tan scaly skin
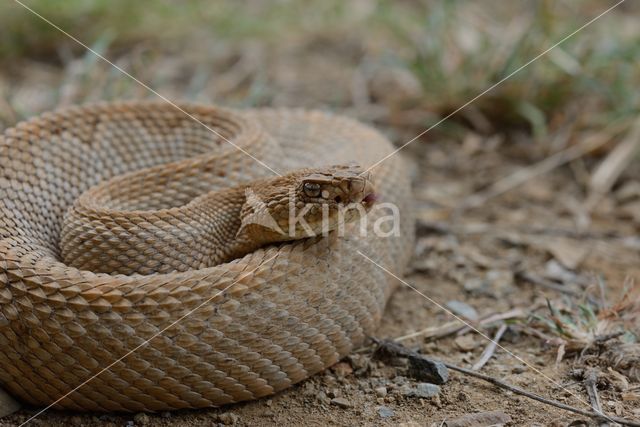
x,y
142,190
225,224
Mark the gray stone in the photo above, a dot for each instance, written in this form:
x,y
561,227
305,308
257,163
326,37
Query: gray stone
x,y
141,419
380,391
399,380
385,412
341,402
228,418
424,369
463,309
422,390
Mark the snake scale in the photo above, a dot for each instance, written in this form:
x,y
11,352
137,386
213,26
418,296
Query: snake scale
x,y
206,330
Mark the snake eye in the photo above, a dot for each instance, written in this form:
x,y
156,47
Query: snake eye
x,y
311,189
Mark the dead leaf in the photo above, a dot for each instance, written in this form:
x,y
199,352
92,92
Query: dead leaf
x,y
610,169
619,381
568,252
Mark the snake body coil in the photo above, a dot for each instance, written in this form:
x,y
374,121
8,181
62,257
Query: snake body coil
x,y
216,334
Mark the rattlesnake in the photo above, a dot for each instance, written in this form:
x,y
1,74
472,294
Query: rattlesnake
x,y
237,330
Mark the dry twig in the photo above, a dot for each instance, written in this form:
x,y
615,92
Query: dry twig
x,y
540,281
591,384
490,349
456,326
560,158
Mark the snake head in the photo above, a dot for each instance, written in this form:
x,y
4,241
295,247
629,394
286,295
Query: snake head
x,y
337,186
308,202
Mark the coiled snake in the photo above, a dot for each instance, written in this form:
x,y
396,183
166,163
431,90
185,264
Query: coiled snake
x,y
89,273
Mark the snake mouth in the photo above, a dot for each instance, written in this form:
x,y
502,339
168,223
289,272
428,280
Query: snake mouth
x,y
370,199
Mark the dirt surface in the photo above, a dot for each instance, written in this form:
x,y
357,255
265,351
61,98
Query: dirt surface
x,y
488,242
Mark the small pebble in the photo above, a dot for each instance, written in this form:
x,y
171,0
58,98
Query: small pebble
x,y
463,309
466,342
76,420
385,412
141,419
475,286
341,402
308,389
322,397
380,391
342,369
427,390
426,370
228,418
518,369
500,279
400,380
423,390
358,361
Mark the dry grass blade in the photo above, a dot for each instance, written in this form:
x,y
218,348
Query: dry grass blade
x,y
610,169
558,159
456,326
541,281
602,335
490,349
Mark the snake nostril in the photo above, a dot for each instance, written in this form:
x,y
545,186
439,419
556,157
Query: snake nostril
x,y
338,199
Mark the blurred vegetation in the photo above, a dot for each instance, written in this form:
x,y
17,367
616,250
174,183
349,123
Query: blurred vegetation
x,y
459,51
455,49
131,22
